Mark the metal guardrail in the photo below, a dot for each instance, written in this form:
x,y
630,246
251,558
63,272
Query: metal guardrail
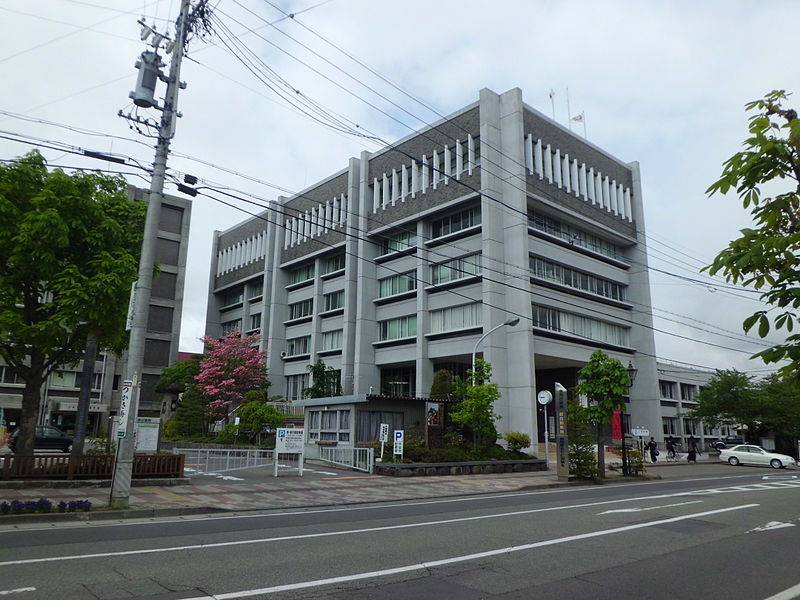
x,y
287,409
219,460
359,459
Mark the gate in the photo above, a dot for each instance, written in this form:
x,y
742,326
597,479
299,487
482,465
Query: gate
x,y
358,459
202,461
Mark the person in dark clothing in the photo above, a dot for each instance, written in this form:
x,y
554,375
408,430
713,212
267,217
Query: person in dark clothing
x,y
670,443
652,447
691,446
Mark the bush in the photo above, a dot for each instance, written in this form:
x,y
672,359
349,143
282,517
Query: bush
x,y
43,505
517,441
582,459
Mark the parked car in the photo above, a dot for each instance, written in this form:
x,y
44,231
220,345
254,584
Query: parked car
x,y
747,454
47,438
729,442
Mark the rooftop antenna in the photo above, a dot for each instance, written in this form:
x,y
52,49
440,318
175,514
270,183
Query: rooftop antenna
x,y
553,102
569,113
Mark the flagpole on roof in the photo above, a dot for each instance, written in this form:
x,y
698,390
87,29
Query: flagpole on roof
x,y
582,119
553,102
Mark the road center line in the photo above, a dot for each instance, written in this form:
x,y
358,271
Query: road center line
x,y
468,557
17,591
788,594
28,561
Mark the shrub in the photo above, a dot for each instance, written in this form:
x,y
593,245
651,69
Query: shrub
x,y
517,441
582,460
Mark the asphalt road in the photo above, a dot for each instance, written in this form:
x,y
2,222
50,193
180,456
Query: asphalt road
x,y
720,532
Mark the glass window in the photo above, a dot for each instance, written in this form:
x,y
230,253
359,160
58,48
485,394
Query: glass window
x,y
580,326
459,268
399,381
573,235
329,425
255,321
334,300
670,425
304,308
456,317
301,274
545,269
229,326
8,375
688,391
456,222
232,297
333,263
396,329
332,340
667,389
397,242
255,290
298,345
397,284
295,386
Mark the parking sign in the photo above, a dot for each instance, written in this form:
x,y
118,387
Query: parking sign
x,y
398,441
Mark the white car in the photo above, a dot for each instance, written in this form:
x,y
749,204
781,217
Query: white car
x,y
747,454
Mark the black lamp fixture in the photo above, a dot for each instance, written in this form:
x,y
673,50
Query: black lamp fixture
x,y
632,371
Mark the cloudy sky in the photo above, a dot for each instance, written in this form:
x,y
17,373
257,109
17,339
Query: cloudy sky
x,y
662,83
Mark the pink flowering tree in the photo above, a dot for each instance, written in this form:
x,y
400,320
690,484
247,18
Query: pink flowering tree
x,y
231,367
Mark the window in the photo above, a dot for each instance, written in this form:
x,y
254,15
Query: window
x,y
369,423
232,297
396,329
667,389
304,308
397,242
8,375
63,379
229,326
459,268
298,345
397,284
585,327
689,427
332,340
334,300
255,290
296,385
333,263
670,425
329,425
255,321
97,380
573,235
545,269
456,317
399,381
456,222
688,392
301,274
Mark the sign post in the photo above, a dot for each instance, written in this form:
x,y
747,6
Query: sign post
x,y
642,433
544,398
383,437
562,439
398,443
290,441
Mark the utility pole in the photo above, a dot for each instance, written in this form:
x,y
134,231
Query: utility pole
x,y
150,63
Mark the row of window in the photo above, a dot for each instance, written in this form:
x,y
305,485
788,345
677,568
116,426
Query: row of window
x,y
331,340
694,427
580,326
573,235
668,390
254,323
305,308
574,278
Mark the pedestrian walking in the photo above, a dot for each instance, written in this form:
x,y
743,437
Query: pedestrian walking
x,y
652,447
670,443
691,446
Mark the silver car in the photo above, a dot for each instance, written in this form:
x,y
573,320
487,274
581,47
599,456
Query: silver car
x,y
747,454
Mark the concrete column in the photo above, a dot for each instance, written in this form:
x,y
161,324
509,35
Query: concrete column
x,y
275,281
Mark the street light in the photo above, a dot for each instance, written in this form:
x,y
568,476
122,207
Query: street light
x,y
509,321
625,464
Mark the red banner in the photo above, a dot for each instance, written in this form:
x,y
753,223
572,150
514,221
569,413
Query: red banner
x,y
616,424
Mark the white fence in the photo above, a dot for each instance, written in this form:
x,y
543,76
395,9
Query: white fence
x,y
219,460
359,459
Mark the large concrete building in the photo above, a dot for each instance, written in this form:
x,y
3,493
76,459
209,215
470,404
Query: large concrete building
x,y
60,394
397,265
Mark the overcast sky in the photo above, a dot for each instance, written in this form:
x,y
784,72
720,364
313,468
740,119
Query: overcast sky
x,y
662,83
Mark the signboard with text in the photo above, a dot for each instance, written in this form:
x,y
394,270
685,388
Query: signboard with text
x,y
384,433
616,424
125,398
398,441
289,441
562,441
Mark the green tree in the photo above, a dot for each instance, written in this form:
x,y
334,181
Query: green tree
x,y
255,416
325,381
582,463
475,411
767,256
731,396
442,386
69,250
605,382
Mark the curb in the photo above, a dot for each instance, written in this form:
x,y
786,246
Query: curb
x,y
105,515
51,484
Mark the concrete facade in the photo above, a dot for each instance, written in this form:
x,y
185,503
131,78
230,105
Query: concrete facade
x,y
396,266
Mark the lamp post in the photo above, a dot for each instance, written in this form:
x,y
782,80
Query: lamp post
x,y
510,321
625,464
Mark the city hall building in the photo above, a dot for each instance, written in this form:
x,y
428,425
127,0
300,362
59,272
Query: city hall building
x,y
396,267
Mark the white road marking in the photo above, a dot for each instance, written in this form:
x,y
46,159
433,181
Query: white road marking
x,y
27,561
458,559
17,591
229,478
631,510
771,525
784,477
788,594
